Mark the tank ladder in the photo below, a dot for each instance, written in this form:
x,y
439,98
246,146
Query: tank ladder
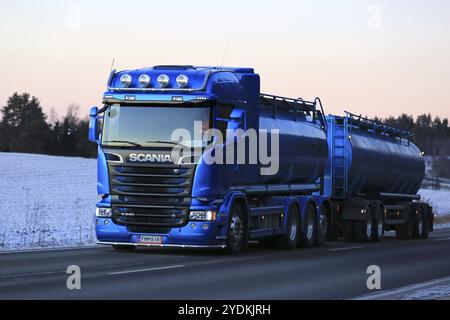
x,y
339,164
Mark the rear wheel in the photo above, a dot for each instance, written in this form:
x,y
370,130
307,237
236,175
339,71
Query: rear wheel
x,y
420,230
406,230
364,228
309,234
322,227
237,230
378,224
290,240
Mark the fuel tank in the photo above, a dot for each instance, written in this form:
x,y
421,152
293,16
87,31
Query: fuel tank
x,y
370,158
384,164
303,149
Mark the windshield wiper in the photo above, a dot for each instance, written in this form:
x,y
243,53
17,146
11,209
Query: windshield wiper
x,y
124,141
165,142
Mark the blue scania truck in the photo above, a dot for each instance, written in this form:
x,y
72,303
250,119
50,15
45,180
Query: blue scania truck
x,y
337,176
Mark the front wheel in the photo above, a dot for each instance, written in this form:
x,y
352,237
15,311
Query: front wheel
x,y
237,230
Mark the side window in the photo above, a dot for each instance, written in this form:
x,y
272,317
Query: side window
x,y
223,112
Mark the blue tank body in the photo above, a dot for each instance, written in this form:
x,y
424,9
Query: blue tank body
x,y
384,164
366,161
303,149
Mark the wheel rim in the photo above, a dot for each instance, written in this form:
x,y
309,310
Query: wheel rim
x,y
293,231
323,223
310,229
380,228
236,230
369,229
420,226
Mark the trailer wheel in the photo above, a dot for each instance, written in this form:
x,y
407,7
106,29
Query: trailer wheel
x,y
309,234
290,240
405,231
364,228
322,227
237,230
421,228
123,248
378,225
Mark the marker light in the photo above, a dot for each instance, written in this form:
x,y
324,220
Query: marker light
x,y
182,81
126,79
163,80
144,80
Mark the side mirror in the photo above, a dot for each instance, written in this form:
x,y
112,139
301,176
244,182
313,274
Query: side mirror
x,y
237,119
93,128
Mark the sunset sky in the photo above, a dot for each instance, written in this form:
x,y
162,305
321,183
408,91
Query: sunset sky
x,y
370,57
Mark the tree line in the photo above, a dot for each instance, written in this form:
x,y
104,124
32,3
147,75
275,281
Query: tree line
x,y
25,128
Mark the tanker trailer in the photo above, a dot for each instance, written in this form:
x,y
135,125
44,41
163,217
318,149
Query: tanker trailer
x,y
373,175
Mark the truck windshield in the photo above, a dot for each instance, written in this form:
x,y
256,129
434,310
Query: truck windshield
x,y
147,126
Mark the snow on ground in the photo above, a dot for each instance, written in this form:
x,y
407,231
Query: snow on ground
x,y
46,201
440,201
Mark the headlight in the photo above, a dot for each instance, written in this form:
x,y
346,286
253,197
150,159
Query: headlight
x,y
103,212
126,79
202,216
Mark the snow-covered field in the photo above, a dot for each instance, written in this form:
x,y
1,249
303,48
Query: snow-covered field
x,y
440,200
46,201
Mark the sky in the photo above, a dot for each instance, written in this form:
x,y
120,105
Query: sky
x,y
376,58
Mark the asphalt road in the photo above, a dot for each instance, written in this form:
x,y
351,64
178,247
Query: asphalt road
x,y
335,271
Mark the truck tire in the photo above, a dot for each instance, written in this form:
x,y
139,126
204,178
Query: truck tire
x,y
405,231
378,224
420,230
123,248
322,227
237,230
308,236
364,228
348,231
291,239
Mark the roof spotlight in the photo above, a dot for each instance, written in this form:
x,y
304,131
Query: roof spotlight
x,y
163,80
126,79
144,80
182,81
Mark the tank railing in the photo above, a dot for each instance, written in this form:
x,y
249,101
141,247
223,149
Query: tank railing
x,y
296,104
377,126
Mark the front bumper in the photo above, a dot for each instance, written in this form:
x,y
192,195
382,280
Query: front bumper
x,y
193,235
219,246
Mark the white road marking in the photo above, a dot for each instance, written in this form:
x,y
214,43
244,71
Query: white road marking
x,y
146,270
29,274
347,248
386,294
441,239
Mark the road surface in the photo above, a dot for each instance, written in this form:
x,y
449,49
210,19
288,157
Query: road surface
x,y
335,271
